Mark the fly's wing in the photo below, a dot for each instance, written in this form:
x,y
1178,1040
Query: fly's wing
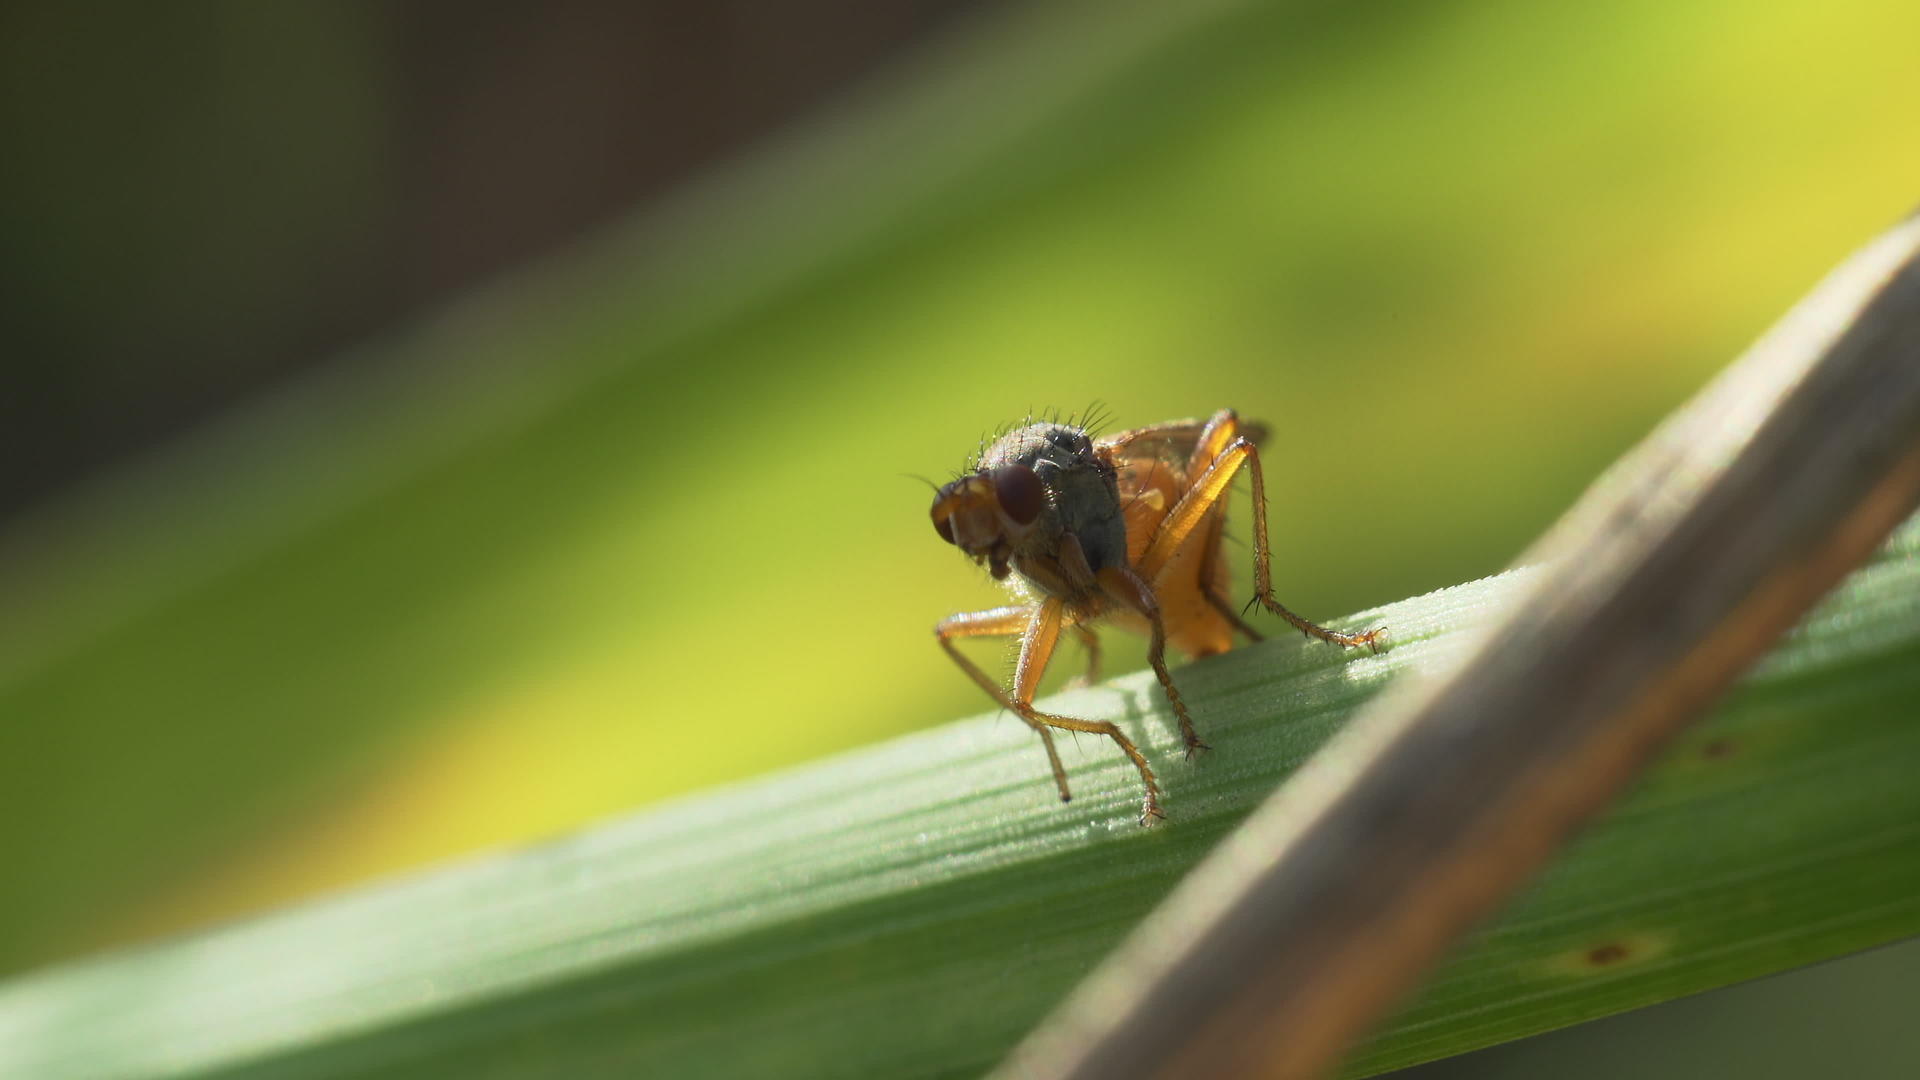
x,y
1151,474
1171,442
1150,471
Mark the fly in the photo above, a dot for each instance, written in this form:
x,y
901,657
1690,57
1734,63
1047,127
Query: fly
x,y
1125,529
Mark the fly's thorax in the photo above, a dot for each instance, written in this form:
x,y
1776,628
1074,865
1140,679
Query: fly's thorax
x,y
1083,501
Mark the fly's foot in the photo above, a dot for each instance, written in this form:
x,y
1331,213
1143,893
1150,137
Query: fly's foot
x,y
1150,811
1374,639
1195,745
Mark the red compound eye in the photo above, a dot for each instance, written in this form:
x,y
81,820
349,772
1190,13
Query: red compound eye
x,y
1021,494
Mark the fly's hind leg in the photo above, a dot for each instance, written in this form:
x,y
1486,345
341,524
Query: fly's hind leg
x,y
1224,451
1131,590
1209,560
1039,630
1209,438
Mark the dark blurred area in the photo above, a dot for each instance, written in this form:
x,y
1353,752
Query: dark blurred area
x,y
200,201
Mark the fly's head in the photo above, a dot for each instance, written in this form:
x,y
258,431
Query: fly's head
x,y
987,514
1030,488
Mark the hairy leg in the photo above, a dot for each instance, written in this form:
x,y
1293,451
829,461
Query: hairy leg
x,y
1039,629
1090,642
1129,589
1183,522
998,622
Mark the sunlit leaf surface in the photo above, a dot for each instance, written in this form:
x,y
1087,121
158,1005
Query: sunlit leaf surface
x,y
804,924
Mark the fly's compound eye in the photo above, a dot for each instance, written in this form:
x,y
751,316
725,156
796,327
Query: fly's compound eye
x,y
1020,493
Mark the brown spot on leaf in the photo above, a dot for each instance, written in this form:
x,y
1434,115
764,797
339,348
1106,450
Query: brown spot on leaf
x,y
1716,748
1612,953
1620,950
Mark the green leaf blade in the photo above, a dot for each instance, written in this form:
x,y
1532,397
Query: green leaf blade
x,y
911,909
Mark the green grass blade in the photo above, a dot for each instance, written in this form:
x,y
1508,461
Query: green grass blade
x,y
911,909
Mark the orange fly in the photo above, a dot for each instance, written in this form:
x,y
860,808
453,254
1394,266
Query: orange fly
x,y
1123,529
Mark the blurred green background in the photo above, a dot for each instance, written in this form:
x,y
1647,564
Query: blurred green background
x,y
397,470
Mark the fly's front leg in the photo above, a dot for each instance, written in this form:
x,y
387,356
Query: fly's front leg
x,y
1039,630
1036,648
1182,522
999,622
